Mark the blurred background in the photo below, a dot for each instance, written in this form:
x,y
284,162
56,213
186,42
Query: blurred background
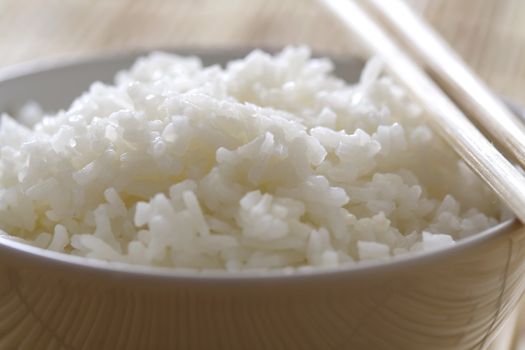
x,y
489,34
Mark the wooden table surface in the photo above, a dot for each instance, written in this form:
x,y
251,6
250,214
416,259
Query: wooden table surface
x,y
489,34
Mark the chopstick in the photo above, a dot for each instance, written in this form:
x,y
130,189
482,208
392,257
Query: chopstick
x,y
446,118
449,70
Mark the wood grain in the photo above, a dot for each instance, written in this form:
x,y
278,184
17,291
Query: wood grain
x,y
489,34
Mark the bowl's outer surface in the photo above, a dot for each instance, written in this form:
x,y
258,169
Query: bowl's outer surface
x,y
448,300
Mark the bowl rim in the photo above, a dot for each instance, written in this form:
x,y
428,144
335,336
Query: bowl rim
x,y
13,249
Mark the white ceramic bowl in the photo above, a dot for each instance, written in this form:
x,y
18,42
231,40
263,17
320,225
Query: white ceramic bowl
x,y
451,299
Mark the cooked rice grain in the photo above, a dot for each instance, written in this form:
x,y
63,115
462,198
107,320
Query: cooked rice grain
x,y
271,162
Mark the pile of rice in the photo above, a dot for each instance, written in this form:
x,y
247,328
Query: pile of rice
x,y
271,162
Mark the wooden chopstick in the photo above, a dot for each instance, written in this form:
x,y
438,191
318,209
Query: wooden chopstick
x,y
449,70
445,116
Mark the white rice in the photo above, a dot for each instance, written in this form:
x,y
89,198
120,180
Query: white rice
x,y
269,163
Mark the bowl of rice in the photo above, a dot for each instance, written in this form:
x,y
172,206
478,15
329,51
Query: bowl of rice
x,y
240,200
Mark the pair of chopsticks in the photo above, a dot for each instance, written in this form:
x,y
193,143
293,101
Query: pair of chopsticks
x,y
461,84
